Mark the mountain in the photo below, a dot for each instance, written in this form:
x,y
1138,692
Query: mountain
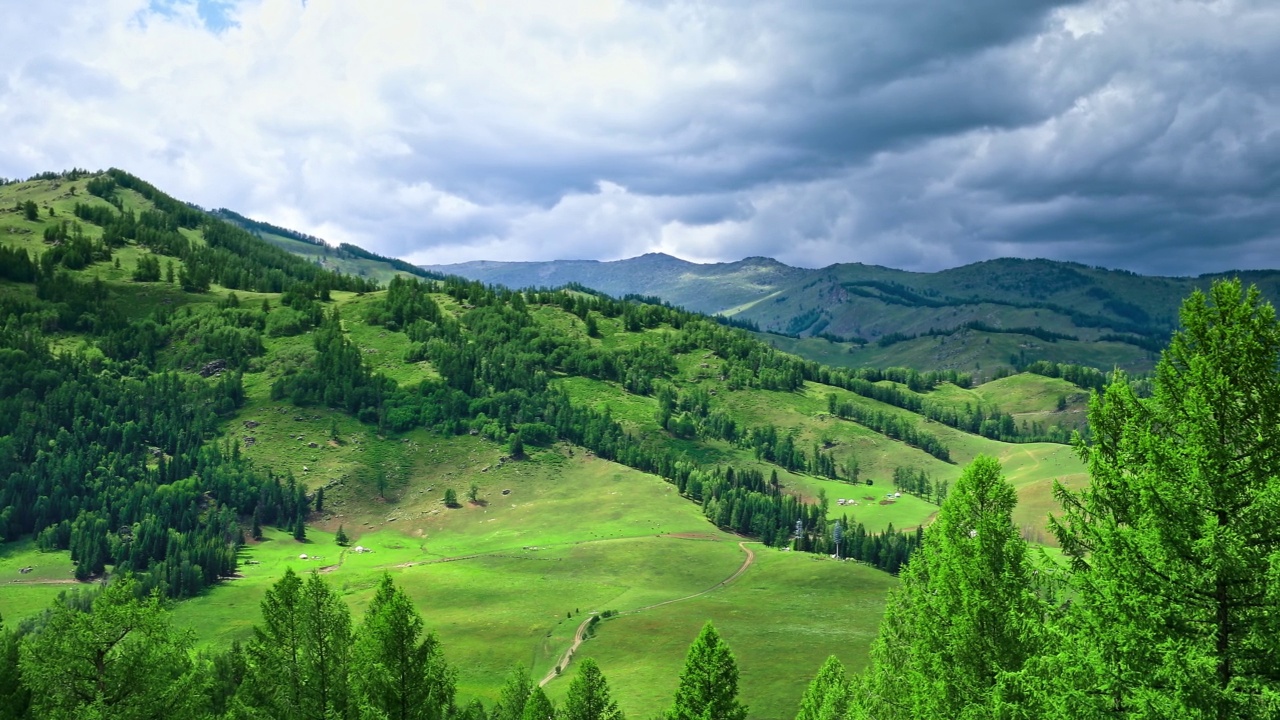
x,y
1003,313
706,288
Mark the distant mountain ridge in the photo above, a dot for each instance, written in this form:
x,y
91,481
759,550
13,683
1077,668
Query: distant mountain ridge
x,y
1005,311
709,288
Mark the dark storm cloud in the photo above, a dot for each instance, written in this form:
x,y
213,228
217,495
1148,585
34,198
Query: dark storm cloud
x,y
830,83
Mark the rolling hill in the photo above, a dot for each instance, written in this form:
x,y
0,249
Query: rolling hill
x,y
189,399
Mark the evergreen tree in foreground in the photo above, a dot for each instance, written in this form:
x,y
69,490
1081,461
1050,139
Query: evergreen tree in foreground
x,y
514,696
708,687
539,707
1175,545
828,695
588,696
298,663
402,673
963,613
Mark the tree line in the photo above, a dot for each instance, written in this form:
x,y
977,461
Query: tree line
x,y
1165,604
115,653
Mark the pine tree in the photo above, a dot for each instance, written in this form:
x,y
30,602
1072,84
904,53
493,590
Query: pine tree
x,y
256,530
326,649
961,615
341,538
450,498
588,696
1174,545
514,696
402,673
273,676
827,697
539,707
708,687
299,529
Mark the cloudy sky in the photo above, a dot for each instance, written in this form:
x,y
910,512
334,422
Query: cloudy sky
x,y
919,134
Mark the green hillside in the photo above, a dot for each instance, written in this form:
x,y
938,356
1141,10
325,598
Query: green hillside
x,y
172,381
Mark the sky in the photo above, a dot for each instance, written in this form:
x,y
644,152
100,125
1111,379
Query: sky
x,y
918,134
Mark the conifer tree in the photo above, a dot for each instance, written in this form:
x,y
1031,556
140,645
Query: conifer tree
x,y
402,672
588,696
1175,544
538,707
708,687
827,697
962,613
513,696
341,538
274,656
326,648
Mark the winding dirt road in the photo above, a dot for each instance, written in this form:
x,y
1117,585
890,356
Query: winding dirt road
x,y
581,633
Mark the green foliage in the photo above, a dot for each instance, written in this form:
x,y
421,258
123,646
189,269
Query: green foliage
x,y
827,697
963,613
119,660
30,211
402,673
1174,544
708,687
451,498
538,707
111,468
298,664
15,695
341,538
514,696
147,269
588,696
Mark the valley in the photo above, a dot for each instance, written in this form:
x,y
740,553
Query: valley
x,y
602,455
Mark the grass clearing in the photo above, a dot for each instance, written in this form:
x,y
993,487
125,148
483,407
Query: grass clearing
x,y
782,618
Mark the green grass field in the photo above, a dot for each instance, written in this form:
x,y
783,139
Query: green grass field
x,y
782,618
25,594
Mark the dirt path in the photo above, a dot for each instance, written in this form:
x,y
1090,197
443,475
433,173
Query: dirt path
x,y
68,581
581,633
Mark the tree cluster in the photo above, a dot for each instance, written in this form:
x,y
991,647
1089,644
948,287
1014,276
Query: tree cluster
x,y
1167,603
